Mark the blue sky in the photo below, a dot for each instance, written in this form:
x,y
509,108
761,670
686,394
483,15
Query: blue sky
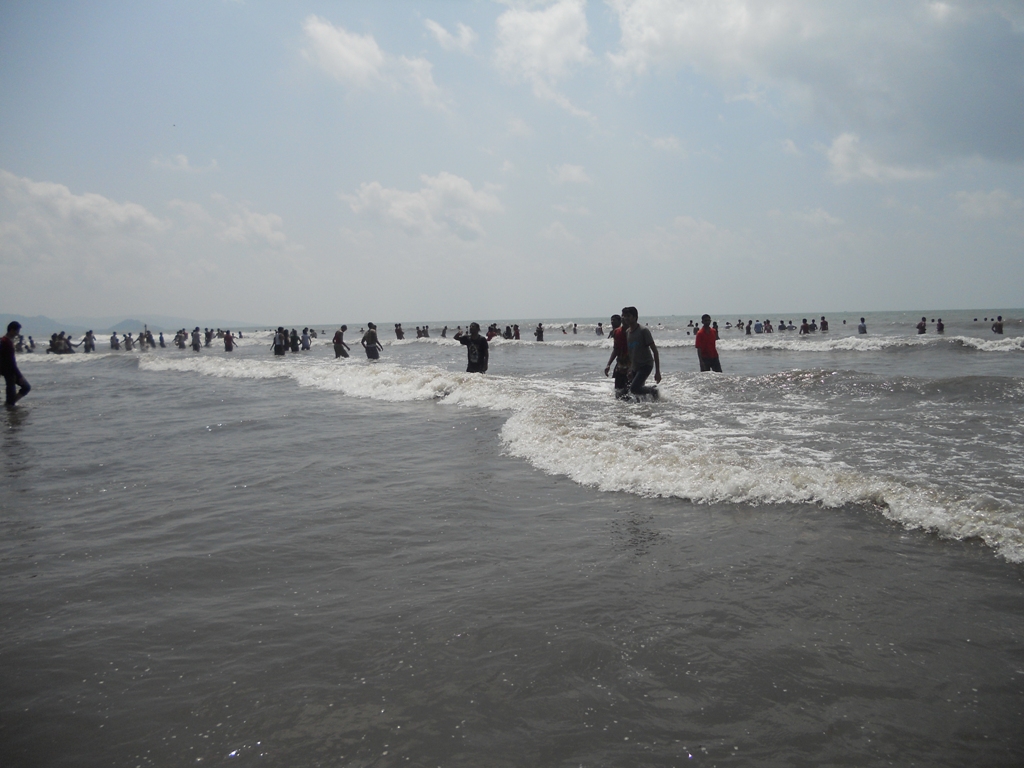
x,y
421,160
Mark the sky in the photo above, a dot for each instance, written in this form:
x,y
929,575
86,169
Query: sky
x,y
313,161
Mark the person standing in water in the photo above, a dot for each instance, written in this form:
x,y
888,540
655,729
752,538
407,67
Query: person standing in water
x,y
197,342
229,342
643,354
280,342
619,356
863,327
340,347
17,385
370,342
476,349
539,332
707,353
997,326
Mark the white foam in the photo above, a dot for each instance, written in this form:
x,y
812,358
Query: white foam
x,y
667,449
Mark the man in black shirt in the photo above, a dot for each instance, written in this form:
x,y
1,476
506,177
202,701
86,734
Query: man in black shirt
x,y
476,347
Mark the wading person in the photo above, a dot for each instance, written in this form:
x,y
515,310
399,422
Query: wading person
x,y
476,349
370,342
619,356
17,386
340,347
643,355
707,354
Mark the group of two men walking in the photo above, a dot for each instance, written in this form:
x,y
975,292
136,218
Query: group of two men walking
x,y
635,354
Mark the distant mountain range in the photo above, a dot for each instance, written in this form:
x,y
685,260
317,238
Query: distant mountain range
x,y
41,326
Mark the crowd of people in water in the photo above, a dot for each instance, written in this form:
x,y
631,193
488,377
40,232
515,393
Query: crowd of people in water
x,y
633,359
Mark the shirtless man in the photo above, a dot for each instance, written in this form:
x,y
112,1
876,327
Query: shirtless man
x,y
370,342
17,386
340,347
643,355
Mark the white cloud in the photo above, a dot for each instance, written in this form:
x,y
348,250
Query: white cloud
x,y
937,80
988,205
519,129
557,231
355,60
575,210
56,203
462,41
181,163
669,144
569,174
790,147
358,62
544,46
849,162
446,203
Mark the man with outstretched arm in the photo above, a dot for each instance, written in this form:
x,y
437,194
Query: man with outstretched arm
x,y
643,355
476,349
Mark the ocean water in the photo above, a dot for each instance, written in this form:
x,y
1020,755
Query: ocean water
x,y
816,558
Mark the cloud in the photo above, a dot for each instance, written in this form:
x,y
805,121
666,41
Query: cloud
x,y
816,217
669,144
462,42
55,203
446,203
557,231
544,46
181,163
518,128
987,205
790,147
936,81
359,63
569,174
849,162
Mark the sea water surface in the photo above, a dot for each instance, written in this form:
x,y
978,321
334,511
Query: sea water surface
x,y
813,559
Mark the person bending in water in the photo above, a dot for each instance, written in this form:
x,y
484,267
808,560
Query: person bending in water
x,y
370,342
340,347
643,355
17,386
707,353
619,356
476,349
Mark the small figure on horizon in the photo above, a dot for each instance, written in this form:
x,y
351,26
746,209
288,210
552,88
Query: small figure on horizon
x,y
17,385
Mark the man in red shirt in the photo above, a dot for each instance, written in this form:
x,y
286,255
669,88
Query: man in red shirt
x,y
707,354
619,356
17,386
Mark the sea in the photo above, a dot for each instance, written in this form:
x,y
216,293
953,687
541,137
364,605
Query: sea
x,y
815,558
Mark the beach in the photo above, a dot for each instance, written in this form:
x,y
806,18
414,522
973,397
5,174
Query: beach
x,y
812,559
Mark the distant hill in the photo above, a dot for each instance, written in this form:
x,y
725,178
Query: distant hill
x,y
41,326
